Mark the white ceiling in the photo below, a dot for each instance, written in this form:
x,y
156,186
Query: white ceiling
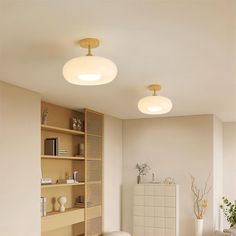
x,y
188,46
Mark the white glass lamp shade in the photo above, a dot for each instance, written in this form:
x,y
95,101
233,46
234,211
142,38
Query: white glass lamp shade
x,y
155,105
89,70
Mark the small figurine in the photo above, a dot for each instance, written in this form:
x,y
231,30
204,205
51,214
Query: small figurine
x,y
44,116
76,124
62,201
79,124
169,180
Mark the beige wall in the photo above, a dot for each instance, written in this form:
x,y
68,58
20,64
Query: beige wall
x,y
229,174
19,161
112,173
173,147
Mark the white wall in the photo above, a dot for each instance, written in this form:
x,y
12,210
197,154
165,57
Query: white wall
x,y
19,161
172,147
112,173
229,151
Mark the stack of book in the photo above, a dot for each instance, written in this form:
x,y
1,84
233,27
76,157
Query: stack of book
x,y
62,152
45,181
43,206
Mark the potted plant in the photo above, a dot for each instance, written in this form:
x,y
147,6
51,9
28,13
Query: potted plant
x,y
200,203
142,170
229,210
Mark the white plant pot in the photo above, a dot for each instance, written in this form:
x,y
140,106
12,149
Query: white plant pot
x,y
198,227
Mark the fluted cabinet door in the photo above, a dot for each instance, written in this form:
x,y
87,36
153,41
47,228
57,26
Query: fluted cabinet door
x,y
156,210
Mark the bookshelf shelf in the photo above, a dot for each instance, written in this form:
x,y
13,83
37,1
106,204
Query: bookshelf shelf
x,y
61,130
55,220
62,157
60,185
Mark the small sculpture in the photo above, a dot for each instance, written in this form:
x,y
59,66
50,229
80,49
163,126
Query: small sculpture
x,y
76,124
44,116
62,201
169,180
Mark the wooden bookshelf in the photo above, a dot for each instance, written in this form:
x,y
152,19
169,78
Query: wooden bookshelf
x,y
85,221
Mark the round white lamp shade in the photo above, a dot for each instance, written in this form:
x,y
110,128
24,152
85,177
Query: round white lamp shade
x,y
155,105
89,70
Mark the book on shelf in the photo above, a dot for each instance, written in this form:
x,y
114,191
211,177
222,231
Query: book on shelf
x,y
45,181
51,146
62,152
43,202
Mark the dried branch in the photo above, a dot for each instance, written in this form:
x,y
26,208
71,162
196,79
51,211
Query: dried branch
x,y
200,197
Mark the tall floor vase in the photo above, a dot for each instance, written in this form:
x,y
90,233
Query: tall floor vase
x,y
198,227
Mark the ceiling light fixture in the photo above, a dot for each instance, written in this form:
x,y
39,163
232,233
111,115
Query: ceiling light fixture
x,y
89,69
154,105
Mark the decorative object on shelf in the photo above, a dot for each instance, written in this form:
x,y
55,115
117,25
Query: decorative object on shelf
x,y
76,176
153,178
79,202
62,201
81,149
200,203
142,170
43,203
44,116
77,124
89,69
65,181
169,180
229,210
154,105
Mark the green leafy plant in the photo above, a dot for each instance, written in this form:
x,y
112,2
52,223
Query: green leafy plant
x,y
229,210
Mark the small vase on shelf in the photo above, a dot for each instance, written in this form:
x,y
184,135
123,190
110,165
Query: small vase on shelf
x,y
199,227
138,179
62,201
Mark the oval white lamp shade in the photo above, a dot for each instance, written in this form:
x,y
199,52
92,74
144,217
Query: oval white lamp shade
x,y
155,105
89,70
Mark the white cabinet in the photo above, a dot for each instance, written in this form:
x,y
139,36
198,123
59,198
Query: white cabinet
x,y
155,211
